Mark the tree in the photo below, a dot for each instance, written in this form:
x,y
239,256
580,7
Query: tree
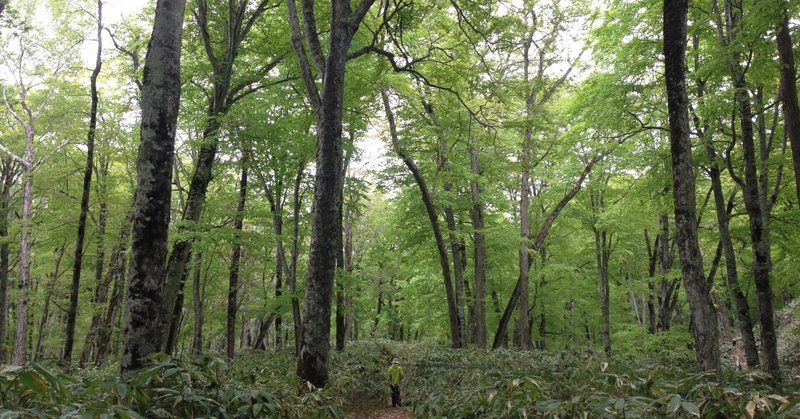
x,y
72,312
704,319
161,89
312,363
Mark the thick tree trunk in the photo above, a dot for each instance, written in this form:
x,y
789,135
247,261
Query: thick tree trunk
x,y
233,282
197,302
455,335
312,364
8,176
160,101
480,253
791,109
72,313
26,219
704,319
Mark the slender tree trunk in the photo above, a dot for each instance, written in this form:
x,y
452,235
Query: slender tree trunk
x,y
455,335
280,262
102,283
233,283
197,300
38,353
160,102
752,197
341,315
222,97
740,303
704,319
480,253
72,313
791,109
292,280
602,253
536,244
116,276
348,269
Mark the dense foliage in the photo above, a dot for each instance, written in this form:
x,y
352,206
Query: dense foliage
x,y
440,382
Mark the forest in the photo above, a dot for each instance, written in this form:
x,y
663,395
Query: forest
x,y
539,208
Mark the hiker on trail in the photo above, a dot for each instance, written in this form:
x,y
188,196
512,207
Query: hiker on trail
x,y
396,373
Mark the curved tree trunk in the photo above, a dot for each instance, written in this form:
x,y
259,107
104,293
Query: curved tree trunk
x,y
455,335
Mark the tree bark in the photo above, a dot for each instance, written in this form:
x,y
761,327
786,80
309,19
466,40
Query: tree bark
x,y
197,302
160,101
455,335
312,364
8,176
704,319
743,321
791,109
602,253
72,313
38,353
26,219
480,252
757,213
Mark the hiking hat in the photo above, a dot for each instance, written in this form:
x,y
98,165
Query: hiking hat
x,y
396,361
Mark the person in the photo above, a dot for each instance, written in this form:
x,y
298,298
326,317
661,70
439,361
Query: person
x,y
396,374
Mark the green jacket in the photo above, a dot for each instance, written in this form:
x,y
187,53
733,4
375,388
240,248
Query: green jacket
x,y
395,374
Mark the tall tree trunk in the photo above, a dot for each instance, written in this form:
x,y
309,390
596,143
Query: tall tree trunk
x,y
348,269
48,296
116,276
480,252
21,335
312,364
197,301
455,335
536,244
72,313
704,319
292,280
222,97
743,321
8,176
102,283
341,315
233,283
602,254
791,109
160,101
756,212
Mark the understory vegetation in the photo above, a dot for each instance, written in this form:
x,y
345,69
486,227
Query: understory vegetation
x,y
440,382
